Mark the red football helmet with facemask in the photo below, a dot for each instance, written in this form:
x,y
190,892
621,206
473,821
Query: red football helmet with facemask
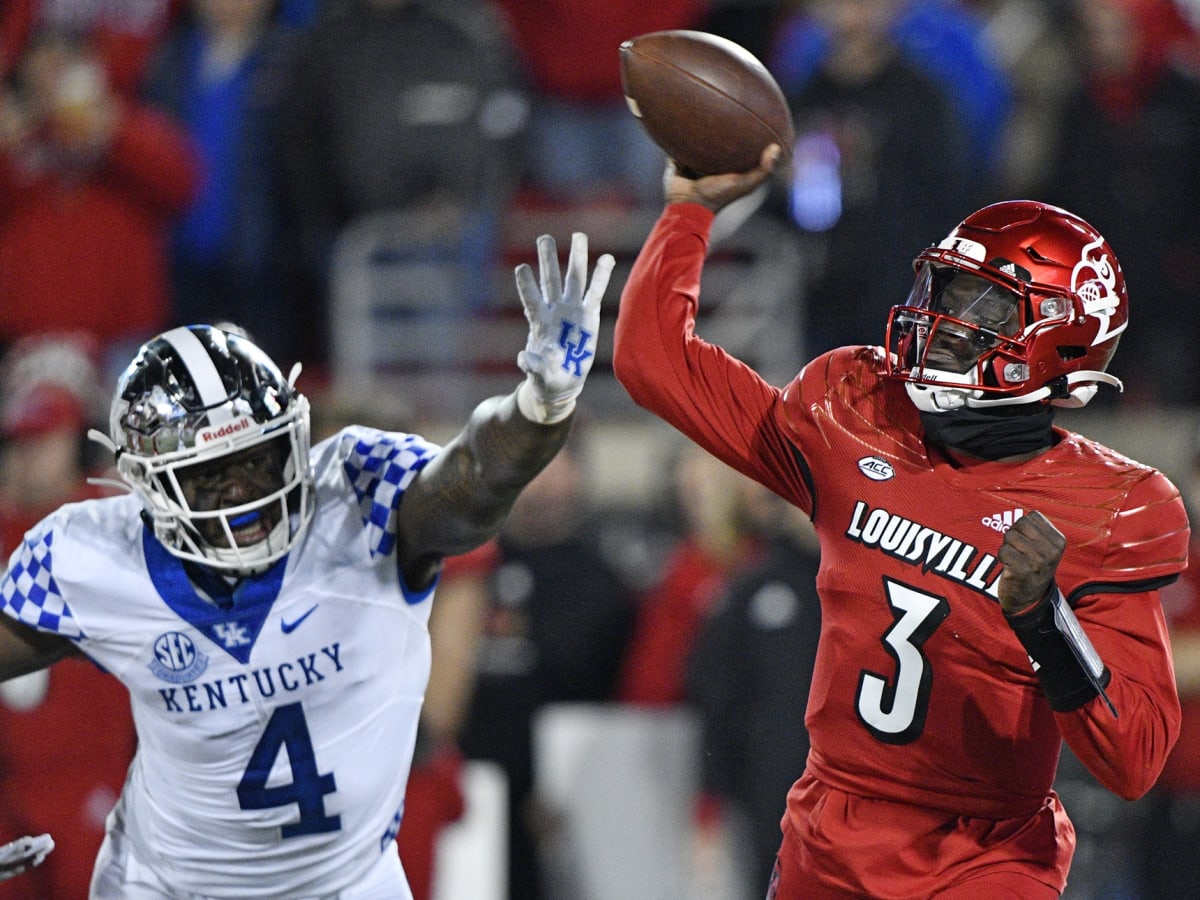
x,y
1021,303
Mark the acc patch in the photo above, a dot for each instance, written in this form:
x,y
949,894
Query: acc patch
x,y
876,469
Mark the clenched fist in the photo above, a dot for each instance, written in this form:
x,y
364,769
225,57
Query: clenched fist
x,y
1030,552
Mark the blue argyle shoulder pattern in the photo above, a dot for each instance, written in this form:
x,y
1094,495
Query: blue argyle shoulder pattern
x,y
380,466
29,592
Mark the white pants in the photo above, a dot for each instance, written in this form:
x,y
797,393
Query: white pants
x,y
120,875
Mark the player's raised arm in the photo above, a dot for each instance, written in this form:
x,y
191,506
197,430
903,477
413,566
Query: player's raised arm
x,y
461,498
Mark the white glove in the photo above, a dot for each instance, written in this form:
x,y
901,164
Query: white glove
x,y
24,853
564,319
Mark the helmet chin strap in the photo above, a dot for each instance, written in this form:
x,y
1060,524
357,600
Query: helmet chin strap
x,y
940,399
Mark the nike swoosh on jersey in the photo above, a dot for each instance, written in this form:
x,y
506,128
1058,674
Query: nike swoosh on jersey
x,y
289,627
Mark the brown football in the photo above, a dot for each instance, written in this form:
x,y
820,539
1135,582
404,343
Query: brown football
x,y
705,100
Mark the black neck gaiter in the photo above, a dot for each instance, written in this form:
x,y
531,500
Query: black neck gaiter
x,y
992,433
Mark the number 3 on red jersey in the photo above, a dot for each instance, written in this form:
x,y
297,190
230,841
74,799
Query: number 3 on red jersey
x,y
893,710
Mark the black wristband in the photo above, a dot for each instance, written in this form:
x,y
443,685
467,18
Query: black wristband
x,y
1066,663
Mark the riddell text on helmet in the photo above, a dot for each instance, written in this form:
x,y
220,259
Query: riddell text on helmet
x,y
208,435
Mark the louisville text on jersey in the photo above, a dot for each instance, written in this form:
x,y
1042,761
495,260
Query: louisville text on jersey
x,y
924,547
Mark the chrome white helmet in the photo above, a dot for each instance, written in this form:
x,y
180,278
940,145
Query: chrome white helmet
x,y
192,400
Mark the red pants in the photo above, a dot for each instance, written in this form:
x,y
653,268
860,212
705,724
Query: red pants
x,y
838,846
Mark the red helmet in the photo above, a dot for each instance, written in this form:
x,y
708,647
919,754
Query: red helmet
x,y
1023,302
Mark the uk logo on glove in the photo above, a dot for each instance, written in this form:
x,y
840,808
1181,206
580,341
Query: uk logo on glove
x,y
576,352
564,317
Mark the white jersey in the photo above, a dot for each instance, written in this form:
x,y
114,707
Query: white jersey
x,y
276,727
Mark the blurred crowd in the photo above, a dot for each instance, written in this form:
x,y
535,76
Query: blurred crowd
x,y
166,162
174,161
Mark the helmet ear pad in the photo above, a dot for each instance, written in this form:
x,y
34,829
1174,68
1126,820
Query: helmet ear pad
x,y
1074,307
196,396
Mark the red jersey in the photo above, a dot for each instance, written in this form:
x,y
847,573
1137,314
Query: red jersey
x,y
921,693
1181,602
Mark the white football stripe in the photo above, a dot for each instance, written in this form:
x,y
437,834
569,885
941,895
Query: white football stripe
x,y
204,373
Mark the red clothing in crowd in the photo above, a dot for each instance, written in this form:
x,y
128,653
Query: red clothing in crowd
x,y
589,72
434,797
432,800
63,762
125,32
671,614
88,251
64,752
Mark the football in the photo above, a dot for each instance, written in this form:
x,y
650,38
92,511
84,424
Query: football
x,y
705,100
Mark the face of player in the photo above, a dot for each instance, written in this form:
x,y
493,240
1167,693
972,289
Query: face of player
x,y
991,310
234,481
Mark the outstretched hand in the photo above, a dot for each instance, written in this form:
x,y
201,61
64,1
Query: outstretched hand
x,y
564,319
24,853
1030,552
718,191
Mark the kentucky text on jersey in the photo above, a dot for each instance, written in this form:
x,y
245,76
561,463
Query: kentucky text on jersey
x,y
926,547
261,683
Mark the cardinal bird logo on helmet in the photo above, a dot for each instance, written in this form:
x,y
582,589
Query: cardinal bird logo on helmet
x,y
1094,280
